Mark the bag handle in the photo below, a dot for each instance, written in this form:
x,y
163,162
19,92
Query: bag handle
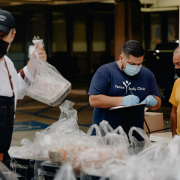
x,y
10,77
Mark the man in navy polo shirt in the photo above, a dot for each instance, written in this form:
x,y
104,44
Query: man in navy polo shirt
x,y
124,82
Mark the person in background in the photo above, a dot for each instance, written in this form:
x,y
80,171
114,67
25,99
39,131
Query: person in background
x,y
123,83
12,84
175,96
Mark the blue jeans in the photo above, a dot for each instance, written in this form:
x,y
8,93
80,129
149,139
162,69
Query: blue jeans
x,y
6,126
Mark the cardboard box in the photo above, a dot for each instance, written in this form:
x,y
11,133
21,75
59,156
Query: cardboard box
x,y
155,122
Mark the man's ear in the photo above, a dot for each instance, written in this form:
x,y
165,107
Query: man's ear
x,y
12,36
121,58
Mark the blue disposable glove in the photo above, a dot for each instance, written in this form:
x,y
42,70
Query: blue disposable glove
x,y
150,101
130,100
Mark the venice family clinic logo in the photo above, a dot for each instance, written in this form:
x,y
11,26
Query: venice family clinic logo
x,y
126,84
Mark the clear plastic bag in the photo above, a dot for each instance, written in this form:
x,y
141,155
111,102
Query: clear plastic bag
x,y
49,86
110,153
6,174
65,173
24,168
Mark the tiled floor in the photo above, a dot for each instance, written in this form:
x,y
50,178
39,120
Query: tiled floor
x,y
33,116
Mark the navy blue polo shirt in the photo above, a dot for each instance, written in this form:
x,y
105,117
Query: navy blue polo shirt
x,y
111,81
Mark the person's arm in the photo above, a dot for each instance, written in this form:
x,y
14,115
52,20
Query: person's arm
x,y
98,92
174,120
24,77
158,105
103,101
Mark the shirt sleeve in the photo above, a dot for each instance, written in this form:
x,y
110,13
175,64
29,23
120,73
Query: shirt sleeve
x,y
100,83
21,86
28,75
153,86
172,99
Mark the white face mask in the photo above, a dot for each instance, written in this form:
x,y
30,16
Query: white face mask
x,y
132,70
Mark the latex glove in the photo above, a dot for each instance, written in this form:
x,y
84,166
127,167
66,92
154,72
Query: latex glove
x,y
130,100
150,101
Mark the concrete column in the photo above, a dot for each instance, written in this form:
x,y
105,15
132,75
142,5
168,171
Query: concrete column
x,y
128,23
119,28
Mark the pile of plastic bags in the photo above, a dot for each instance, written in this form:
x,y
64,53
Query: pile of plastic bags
x,y
108,154
63,141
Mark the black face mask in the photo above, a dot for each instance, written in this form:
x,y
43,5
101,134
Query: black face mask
x,y
3,48
177,71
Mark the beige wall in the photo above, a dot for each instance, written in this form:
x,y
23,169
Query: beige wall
x,y
146,1
167,3
161,3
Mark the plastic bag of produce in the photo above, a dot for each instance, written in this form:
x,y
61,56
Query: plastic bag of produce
x,y
49,86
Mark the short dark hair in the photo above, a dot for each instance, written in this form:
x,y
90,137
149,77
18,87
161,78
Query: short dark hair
x,y
133,48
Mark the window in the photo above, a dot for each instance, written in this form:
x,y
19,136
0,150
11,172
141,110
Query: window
x,y
59,43
79,34
37,26
173,26
155,30
99,42
16,51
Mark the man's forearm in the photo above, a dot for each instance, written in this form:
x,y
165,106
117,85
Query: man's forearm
x,y
22,73
31,68
174,120
103,101
173,123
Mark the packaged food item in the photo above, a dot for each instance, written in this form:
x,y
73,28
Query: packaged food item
x,y
48,85
84,157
